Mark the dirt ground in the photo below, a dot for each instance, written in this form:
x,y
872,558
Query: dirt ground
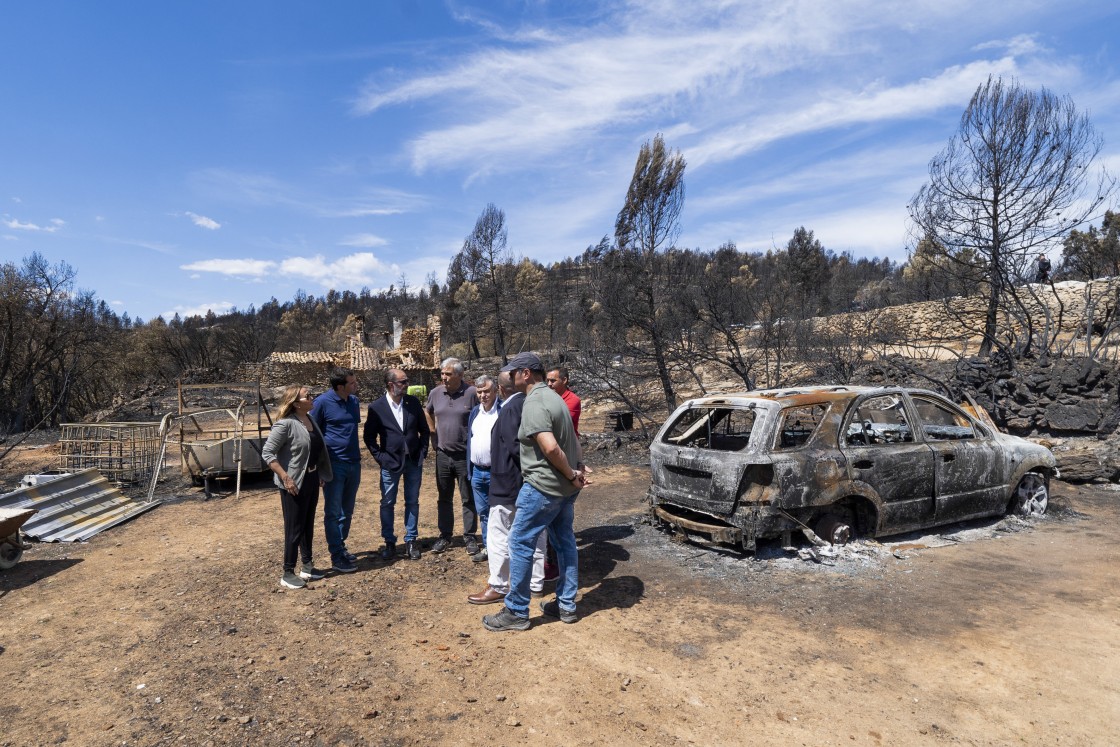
x,y
172,629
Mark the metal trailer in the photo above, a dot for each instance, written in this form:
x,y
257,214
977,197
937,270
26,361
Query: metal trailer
x,y
226,450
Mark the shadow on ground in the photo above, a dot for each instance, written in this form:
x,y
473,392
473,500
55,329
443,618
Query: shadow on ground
x,y
30,571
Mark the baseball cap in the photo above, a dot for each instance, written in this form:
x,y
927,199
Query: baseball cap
x,y
530,361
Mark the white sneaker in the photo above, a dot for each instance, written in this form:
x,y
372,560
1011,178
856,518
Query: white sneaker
x,y
310,573
291,581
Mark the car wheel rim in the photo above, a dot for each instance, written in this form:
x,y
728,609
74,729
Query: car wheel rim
x,y
1033,495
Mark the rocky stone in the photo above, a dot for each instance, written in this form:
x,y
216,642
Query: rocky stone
x,y
1083,463
1083,416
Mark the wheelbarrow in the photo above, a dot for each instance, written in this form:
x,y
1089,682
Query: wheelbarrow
x,y
11,543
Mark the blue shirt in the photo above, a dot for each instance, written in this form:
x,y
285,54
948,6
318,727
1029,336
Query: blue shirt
x,y
338,419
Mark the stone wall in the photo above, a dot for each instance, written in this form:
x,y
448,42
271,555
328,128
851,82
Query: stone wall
x,y
274,374
1069,305
1066,397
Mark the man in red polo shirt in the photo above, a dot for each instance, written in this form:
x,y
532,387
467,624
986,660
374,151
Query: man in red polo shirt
x,y
557,381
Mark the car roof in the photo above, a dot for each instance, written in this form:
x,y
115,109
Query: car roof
x,y
801,395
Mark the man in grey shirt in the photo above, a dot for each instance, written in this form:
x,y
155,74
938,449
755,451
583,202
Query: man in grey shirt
x,y
448,410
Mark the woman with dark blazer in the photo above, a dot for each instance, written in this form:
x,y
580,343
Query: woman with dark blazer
x,y
295,453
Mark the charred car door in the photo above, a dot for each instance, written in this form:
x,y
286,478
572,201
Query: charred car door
x,y
883,454
970,465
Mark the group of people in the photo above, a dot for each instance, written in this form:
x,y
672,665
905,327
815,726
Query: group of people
x,y
509,443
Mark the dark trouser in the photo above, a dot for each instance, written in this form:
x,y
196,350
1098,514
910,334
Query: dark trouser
x,y
299,520
451,468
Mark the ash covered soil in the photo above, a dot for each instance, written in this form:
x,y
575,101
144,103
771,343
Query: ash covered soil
x,y
172,629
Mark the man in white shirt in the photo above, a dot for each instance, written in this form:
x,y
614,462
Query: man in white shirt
x,y
479,427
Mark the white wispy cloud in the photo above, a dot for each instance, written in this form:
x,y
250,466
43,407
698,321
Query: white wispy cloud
x,y
155,246
350,271
364,240
1019,45
242,268
523,99
880,168
515,104
264,190
17,225
203,222
839,108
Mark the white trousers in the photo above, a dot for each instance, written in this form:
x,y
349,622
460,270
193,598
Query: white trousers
x,y
497,551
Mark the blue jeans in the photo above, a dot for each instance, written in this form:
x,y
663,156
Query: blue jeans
x,y
413,472
339,496
538,512
480,486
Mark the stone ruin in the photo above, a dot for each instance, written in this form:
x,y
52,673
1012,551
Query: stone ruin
x,y
417,352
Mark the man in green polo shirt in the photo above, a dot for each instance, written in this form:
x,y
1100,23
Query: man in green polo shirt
x,y
554,475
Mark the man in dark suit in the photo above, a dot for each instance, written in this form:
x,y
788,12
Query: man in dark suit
x,y
397,434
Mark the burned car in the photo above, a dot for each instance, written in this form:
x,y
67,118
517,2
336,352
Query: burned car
x,y
841,461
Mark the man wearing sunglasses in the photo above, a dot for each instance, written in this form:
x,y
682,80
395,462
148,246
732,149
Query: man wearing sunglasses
x,y
397,435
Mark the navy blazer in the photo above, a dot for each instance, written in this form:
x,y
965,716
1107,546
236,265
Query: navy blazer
x,y
505,454
385,440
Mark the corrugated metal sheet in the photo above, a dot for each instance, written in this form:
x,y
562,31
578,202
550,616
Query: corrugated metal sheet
x,y
75,507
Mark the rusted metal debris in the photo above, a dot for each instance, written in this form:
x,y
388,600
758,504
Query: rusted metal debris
x,y
835,463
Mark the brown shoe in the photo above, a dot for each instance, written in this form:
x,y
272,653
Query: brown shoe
x,y
487,597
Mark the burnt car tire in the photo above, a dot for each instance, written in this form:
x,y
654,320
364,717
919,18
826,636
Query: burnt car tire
x,y
834,529
1032,496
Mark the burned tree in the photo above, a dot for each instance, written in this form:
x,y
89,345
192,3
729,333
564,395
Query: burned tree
x,y
481,279
637,287
1012,181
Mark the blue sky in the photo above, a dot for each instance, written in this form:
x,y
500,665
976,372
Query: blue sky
x,y
185,156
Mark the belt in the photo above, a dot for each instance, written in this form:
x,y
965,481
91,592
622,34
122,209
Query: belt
x,y
479,466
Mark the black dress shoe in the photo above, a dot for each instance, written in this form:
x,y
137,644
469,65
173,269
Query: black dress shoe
x,y
389,551
412,549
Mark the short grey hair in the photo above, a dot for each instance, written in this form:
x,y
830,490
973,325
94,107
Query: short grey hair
x,y
454,364
483,380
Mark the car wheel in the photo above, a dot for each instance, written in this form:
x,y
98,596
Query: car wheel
x,y
1032,497
834,529
10,552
